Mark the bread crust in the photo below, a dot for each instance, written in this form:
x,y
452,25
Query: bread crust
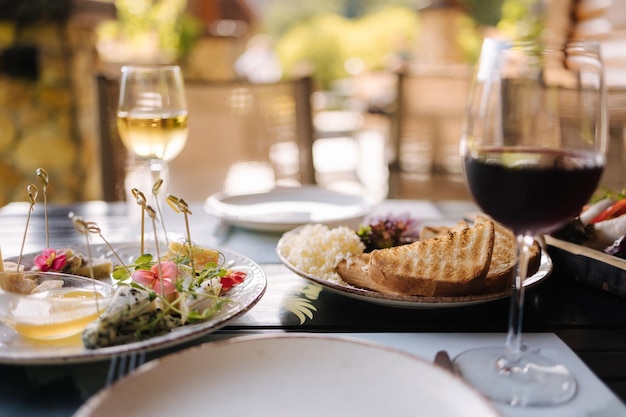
x,y
354,270
502,269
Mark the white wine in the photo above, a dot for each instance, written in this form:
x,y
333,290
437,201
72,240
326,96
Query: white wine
x,y
153,137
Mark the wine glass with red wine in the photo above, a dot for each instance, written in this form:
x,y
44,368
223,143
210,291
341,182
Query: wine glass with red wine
x,y
533,150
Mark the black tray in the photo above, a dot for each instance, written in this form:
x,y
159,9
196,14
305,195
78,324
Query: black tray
x,y
588,265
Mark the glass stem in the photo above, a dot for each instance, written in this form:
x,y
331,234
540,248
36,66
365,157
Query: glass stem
x,y
158,170
513,347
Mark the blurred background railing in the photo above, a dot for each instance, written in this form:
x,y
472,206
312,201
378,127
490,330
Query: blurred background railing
x,y
389,80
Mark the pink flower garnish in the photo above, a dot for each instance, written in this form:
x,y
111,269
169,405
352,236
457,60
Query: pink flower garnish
x,y
150,278
50,260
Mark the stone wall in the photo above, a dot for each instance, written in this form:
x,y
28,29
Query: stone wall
x,y
48,117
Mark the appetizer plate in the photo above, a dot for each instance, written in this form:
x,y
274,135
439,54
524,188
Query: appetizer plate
x,y
415,301
289,375
283,209
17,349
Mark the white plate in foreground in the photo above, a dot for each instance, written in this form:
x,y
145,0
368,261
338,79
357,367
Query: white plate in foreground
x,y
15,348
285,208
289,375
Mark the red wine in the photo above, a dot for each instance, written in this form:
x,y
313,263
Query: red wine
x,y
533,190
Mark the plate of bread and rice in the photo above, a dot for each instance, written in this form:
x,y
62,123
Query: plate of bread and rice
x,y
455,265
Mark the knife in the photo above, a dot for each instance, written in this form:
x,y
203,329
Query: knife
x,y
442,359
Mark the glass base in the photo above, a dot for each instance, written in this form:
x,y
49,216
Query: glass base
x,y
534,380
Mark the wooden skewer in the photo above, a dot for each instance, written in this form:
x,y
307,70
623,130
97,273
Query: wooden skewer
x,y
141,201
84,228
42,174
180,205
152,215
155,192
32,198
92,227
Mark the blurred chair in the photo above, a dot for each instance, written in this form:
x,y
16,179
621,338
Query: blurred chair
x,y
243,137
425,132
604,21
428,119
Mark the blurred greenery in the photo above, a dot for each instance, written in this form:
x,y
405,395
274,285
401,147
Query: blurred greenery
x,y
484,12
279,16
522,19
138,20
323,35
469,38
323,43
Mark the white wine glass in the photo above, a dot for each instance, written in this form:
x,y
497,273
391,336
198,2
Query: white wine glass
x,y
152,119
533,149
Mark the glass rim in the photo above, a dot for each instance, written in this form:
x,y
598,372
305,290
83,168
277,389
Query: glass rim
x,y
150,67
544,44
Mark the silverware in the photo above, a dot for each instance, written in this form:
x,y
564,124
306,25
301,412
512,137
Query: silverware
x,y
442,359
123,365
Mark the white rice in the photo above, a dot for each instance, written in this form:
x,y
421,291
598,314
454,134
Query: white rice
x,y
317,250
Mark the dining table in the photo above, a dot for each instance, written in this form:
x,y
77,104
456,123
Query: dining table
x,y
581,326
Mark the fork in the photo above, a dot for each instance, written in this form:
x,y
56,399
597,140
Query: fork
x,y
122,365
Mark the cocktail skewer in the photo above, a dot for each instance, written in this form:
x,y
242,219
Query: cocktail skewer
x,y
42,175
84,228
155,192
32,198
141,201
81,227
179,205
92,227
152,215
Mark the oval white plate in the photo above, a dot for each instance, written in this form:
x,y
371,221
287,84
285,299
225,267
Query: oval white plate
x,y
289,375
17,349
283,209
413,301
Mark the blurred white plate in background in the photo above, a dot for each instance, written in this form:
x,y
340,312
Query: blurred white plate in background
x,y
283,209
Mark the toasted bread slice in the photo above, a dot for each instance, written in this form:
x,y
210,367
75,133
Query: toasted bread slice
x,y
503,260
502,268
355,271
449,265
431,231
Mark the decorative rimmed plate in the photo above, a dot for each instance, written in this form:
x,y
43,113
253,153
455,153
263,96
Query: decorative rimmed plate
x,y
412,301
17,349
284,375
285,208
